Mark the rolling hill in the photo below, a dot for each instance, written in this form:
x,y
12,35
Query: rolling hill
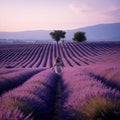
x,y
99,32
104,32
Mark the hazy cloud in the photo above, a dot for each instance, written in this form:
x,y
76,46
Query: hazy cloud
x,y
113,11
85,10
80,8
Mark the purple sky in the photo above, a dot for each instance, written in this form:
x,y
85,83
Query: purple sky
x,y
20,15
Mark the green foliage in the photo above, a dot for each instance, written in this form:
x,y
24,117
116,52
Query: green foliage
x,y
101,108
79,37
57,35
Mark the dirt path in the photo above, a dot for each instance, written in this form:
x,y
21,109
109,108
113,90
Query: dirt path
x,y
58,106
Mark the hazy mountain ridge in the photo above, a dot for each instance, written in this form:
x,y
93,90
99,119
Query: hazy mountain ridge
x,y
93,33
100,32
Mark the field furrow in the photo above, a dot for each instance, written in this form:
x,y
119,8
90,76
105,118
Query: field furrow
x,y
14,79
35,96
43,55
88,89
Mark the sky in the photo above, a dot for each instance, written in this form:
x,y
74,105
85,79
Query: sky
x,y
21,15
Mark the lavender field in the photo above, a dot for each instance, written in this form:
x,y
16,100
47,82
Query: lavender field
x,y
89,88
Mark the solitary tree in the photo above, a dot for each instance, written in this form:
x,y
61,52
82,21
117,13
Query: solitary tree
x,y
57,35
79,37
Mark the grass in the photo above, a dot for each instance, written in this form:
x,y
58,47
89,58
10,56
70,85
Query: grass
x,y
101,108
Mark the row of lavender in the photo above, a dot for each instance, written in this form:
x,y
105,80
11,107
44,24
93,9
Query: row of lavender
x,y
34,99
89,98
84,96
42,55
10,79
109,74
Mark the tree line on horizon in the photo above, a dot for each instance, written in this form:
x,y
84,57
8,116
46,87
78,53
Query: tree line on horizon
x,y
57,35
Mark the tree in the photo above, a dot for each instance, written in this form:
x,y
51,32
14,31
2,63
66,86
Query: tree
x,y
79,36
57,35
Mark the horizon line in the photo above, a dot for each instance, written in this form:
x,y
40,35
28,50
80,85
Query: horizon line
x,y
60,29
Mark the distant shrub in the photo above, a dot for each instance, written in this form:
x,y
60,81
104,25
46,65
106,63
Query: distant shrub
x,y
57,35
79,37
